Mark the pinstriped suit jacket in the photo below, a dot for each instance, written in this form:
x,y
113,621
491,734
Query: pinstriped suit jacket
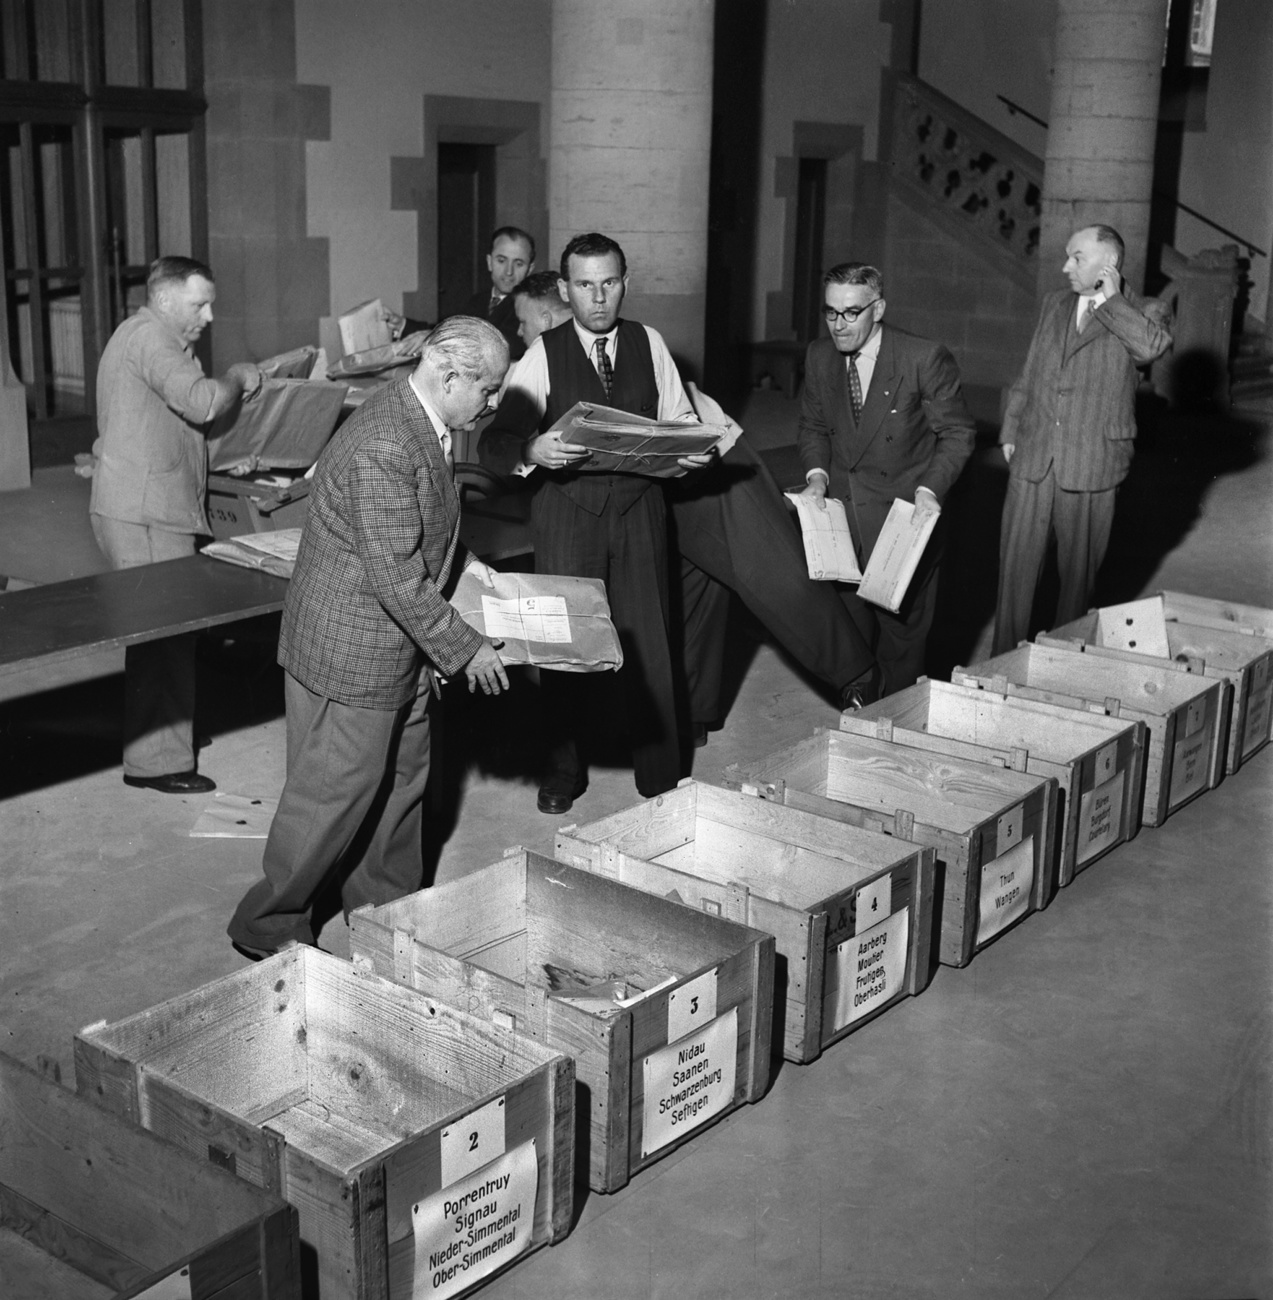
x,y
365,608
1073,405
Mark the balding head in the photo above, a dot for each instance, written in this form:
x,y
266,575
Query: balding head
x,y
462,365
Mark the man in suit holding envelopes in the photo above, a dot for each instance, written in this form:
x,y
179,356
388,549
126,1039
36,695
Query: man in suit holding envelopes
x,y
1069,428
882,415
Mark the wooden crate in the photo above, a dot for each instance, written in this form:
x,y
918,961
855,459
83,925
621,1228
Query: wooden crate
x,y
1097,762
368,1106
1185,608
993,830
531,942
93,1206
824,890
1240,658
237,506
1185,715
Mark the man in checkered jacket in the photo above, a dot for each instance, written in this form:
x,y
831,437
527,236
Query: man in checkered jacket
x,y
366,635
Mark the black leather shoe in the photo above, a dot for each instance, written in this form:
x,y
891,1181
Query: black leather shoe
x,y
174,783
863,691
252,954
553,800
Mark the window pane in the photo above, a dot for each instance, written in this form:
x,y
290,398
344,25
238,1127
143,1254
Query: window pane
x,y
119,31
168,40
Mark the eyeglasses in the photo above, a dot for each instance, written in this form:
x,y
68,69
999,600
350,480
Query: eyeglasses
x,y
849,315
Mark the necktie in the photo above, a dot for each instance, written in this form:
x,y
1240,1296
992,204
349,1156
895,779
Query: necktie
x,y
444,437
855,387
1085,314
604,368
496,299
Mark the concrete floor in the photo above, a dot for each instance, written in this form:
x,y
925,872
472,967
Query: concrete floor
x,y
1082,1113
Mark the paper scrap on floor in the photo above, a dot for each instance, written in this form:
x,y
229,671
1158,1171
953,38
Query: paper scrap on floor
x,y
828,544
235,817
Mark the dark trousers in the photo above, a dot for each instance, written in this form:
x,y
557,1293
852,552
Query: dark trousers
x,y
628,552
734,533
899,640
1032,512
352,804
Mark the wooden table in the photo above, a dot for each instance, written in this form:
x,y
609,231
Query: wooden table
x,y
66,632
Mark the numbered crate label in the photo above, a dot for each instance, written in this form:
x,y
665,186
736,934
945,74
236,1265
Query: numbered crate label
x,y
472,1142
1106,763
1006,885
691,1006
1008,830
1255,731
1189,764
867,971
689,1082
176,1286
1100,817
475,1225
873,902
1195,715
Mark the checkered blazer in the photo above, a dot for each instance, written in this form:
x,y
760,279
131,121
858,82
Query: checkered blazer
x,y
365,608
1073,405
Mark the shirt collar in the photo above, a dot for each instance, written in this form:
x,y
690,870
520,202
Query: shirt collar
x,y
870,350
439,425
589,339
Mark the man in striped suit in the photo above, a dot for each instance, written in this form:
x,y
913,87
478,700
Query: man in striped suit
x,y
366,633
1068,430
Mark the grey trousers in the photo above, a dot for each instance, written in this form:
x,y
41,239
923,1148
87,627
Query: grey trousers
x,y
159,676
352,806
1032,512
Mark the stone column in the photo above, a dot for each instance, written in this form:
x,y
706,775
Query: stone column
x,y
630,138
1101,127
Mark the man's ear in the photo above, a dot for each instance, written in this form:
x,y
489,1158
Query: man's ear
x,y
490,263
563,289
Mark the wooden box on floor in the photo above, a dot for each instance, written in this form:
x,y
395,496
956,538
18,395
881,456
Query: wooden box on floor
x,y
1186,608
1097,762
1186,716
93,1206
369,1107
993,831
533,943
851,911
1238,656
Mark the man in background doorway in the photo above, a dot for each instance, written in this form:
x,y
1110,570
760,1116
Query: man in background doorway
x,y
154,406
510,260
882,416
1069,429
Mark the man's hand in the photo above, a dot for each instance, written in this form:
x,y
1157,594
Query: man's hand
x,y
1007,448
1110,282
816,490
247,376
395,322
85,464
549,451
241,468
486,669
482,572
926,502
699,460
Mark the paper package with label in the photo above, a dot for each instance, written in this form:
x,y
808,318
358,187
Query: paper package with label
x,y
554,622
896,554
828,544
622,443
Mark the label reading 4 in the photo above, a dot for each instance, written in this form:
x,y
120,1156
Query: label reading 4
x,y
874,903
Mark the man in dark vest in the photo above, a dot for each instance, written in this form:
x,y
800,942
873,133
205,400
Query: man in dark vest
x,y
607,526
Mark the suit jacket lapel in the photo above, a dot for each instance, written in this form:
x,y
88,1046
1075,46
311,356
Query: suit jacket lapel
x,y
1074,341
443,478
879,397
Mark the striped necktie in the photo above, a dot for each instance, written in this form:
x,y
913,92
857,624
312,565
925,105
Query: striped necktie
x,y
855,387
604,368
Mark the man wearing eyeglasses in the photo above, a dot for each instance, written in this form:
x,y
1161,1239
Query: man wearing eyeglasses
x,y
882,415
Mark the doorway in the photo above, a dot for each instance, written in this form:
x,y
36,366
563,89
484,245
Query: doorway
x,y
811,207
466,217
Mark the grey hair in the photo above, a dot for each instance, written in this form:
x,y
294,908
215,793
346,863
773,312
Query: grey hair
x,y
470,346
855,273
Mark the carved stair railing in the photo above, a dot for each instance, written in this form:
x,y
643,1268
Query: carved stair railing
x,y
963,174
